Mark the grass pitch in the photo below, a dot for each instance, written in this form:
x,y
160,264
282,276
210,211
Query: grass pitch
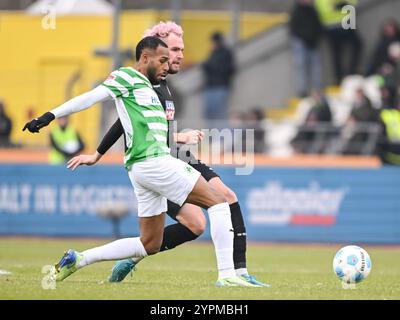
x,y
188,272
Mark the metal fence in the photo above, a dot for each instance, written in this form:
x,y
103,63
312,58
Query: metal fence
x,y
287,137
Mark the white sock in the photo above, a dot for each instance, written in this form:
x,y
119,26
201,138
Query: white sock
x,y
116,250
222,237
137,259
241,271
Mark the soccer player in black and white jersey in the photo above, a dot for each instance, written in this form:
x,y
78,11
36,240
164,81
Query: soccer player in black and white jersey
x,y
190,219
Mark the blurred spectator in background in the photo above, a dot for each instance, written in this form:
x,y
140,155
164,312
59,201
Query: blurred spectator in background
x,y
236,122
330,13
65,142
394,53
218,69
389,144
5,127
252,120
388,95
356,131
389,77
305,31
390,33
313,135
362,109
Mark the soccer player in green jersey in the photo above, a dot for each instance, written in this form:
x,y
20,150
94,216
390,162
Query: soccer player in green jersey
x,y
191,221
154,173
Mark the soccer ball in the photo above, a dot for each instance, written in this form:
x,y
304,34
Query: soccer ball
x,y
352,264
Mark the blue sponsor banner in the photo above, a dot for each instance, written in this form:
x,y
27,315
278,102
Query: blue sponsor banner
x,y
52,200
279,204
319,205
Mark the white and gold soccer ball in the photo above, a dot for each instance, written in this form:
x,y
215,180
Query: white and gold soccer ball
x,y
352,264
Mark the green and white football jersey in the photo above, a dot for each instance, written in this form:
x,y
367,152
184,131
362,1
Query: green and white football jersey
x,y
141,114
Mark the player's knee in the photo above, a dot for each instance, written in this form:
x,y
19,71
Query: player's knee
x,y
230,196
198,226
152,248
201,227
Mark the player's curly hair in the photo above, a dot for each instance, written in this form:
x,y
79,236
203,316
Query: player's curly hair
x,y
164,29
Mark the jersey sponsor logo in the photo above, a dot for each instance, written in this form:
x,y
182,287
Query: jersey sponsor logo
x,y
169,109
111,77
154,100
110,81
146,97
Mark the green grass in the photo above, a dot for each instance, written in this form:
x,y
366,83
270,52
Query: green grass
x,y
188,272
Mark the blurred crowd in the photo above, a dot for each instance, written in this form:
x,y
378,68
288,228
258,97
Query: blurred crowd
x,y
362,117
365,122
372,125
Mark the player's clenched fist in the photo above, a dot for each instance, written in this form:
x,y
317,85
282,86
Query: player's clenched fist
x,y
193,136
38,123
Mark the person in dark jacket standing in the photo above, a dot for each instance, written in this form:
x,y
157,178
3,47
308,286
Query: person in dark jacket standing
x,y
390,34
306,31
344,41
5,127
218,71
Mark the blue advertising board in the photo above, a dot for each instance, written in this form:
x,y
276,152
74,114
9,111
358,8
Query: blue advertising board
x,y
279,204
51,200
320,205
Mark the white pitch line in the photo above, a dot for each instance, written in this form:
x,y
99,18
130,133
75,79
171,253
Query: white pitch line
x,y
4,272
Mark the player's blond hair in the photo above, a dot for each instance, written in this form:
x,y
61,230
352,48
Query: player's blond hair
x,y
163,29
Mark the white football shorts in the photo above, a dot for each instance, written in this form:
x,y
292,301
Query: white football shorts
x,y
157,179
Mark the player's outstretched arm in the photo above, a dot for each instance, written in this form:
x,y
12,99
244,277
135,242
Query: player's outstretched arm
x,y
189,137
76,104
87,159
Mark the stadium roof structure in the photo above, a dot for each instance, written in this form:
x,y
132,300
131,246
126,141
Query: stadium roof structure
x,y
71,7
